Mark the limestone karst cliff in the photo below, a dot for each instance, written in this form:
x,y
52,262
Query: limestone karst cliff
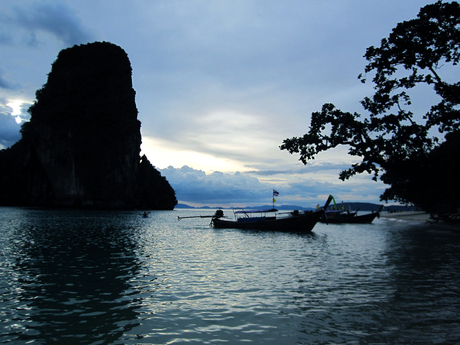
x,y
81,147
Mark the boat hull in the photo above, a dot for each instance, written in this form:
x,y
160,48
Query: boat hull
x,y
363,219
296,223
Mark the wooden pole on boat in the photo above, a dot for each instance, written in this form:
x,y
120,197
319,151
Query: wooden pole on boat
x,y
179,218
219,213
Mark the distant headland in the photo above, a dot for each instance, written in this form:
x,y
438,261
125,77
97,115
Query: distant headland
x,y
362,206
81,147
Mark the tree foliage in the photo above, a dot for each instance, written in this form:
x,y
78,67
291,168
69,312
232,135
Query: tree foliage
x,y
391,140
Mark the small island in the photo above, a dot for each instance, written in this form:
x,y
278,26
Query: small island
x,y
81,148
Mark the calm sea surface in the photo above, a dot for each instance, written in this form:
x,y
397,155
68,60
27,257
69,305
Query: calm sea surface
x,y
107,277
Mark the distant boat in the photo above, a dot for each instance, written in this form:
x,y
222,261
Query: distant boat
x,y
270,219
145,214
345,217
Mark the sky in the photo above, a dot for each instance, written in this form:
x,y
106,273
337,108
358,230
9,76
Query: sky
x,y
219,84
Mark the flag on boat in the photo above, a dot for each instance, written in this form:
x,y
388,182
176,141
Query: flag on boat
x,y
275,193
274,200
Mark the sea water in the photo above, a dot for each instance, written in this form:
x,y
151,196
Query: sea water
x,y
113,277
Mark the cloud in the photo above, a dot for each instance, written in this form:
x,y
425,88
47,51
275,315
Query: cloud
x,y
5,84
234,80
195,187
53,18
9,130
10,121
301,169
5,38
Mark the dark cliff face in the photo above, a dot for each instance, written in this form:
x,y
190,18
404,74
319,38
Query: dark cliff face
x,y
81,147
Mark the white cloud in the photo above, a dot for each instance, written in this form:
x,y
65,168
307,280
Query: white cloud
x,y
302,188
9,130
12,114
195,187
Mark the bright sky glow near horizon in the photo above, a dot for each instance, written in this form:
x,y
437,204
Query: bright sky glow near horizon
x,y
219,84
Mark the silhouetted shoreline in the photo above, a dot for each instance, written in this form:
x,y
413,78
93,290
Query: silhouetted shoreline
x,y
421,218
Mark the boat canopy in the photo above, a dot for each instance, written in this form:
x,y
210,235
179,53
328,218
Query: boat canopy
x,y
258,211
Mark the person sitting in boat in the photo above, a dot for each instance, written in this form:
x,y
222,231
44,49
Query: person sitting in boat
x,y
219,214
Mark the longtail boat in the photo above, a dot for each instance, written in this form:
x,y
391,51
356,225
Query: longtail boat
x,y
346,217
269,219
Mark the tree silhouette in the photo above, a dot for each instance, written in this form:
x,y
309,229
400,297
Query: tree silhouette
x,y
396,145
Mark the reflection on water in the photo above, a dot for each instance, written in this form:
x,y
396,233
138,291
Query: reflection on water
x,y
426,285
106,277
70,271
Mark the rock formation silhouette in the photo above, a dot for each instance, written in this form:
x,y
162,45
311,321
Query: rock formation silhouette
x,y
81,147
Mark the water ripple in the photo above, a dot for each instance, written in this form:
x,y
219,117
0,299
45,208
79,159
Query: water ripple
x,y
98,277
